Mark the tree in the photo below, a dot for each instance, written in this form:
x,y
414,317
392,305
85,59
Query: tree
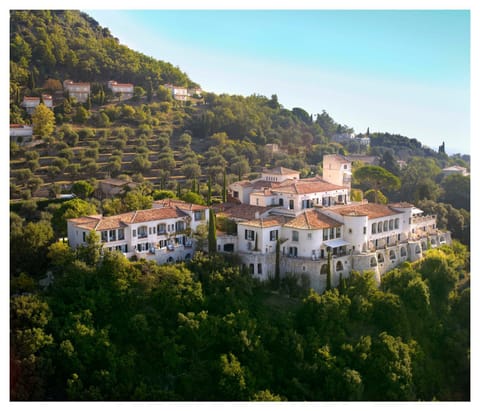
x,y
43,121
82,189
377,178
70,209
456,190
212,233
82,115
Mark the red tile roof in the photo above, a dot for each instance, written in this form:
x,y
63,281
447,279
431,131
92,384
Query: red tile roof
x,y
266,222
182,205
280,171
306,186
312,220
370,210
240,211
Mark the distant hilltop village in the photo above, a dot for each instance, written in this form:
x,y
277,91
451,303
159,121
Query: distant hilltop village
x,y
279,221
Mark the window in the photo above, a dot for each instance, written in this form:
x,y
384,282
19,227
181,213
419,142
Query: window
x,y
364,230
324,269
309,236
83,236
280,202
373,262
121,234
337,232
325,234
339,266
380,258
379,227
392,255
332,232
249,235
199,215
374,228
344,166
385,225
179,226
259,268
273,235
403,252
252,269
291,205
134,233
161,229
235,194
113,235
142,231
397,223
390,225
294,235
104,236
149,230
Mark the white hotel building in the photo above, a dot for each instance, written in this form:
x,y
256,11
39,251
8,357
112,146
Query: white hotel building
x,y
314,216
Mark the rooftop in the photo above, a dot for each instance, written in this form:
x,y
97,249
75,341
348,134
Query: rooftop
x,y
240,211
306,186
312,220
272,221
370,210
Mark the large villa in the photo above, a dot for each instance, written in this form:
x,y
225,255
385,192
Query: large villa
x,y
311,218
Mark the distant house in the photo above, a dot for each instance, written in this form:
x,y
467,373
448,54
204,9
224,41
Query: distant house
x,y
448,171
110,187
178,93
80,91
124,89
31,103
20,133
195,92
342,137
370,160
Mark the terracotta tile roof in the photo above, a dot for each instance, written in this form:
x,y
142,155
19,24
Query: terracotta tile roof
x,y
280,171
182,205
402,204
88,223
338,157
370,210
114,221
312,220
257,184
306,186
153,214
240,211
266,222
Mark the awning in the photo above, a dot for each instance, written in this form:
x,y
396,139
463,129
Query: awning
x,y
336,243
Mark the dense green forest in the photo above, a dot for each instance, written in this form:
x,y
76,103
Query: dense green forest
x,y
111,329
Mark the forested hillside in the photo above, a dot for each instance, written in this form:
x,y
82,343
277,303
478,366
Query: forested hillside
x,y
111,329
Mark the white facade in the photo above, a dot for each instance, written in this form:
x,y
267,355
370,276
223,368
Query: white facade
x,y
20,133
357,236
125,89
337,170
80,91
163,233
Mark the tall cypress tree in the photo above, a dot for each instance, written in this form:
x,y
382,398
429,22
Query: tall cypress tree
x,y
224,187
329,271
209,192
277,264
212,233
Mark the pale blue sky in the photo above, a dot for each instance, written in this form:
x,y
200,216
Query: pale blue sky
x,y
399,71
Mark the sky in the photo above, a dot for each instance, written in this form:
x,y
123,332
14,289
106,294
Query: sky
x,y
399,71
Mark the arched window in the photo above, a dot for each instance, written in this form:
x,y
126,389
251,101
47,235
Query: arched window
x,y
374,228
339,266
380,258
424,245
392,255
324,269
442,240
403,252
385,225
373,262
417,249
